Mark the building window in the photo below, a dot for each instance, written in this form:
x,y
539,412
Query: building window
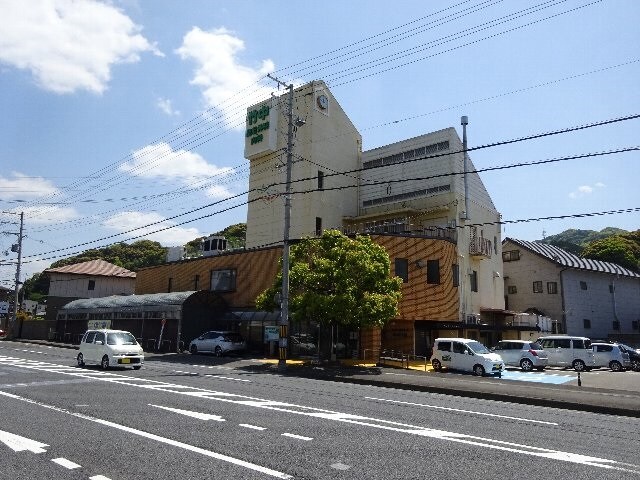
x,y
586,323
615,325
433,272
318,226
511,255
611,289
635,325
474,281
402,269
223,280
92,285
552,287
583,285
196,282
320,180
512,289
170,285
537,287
455,273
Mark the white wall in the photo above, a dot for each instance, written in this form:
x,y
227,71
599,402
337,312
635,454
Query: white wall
x,y
77,286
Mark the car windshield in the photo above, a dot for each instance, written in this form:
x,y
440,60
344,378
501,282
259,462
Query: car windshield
x,y
477,347
233,338
121,338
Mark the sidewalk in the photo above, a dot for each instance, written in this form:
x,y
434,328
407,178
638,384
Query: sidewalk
x,y
601,391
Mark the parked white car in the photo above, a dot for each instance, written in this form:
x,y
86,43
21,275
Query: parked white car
x,y
568,351
523,354
218,342
465,354
110,348
611,355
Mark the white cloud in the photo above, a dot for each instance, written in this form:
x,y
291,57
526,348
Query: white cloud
x,y
164,104
69,45
584,190
22,187
221,76
161,161
126,221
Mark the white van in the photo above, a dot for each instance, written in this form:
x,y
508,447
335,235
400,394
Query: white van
x,y
110,348
465,354
568,351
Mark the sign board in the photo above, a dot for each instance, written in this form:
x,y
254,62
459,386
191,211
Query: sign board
x,y
98,324
4,307
271,333
261,129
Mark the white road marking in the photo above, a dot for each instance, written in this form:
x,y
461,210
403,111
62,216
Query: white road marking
x,y
299,437
189,413
253,427
157,438
518,448
340,466
228,378
20,444
66,463
99,477
437,407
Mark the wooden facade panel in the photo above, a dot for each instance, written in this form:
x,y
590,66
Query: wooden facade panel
x,y
420,300
255,271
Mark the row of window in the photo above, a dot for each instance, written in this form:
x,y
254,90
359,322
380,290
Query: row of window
x,y
433,272
116,314
615,325
552,287
407,195
220,281
407,155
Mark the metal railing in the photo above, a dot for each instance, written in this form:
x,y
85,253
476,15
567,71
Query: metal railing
x,y
405,360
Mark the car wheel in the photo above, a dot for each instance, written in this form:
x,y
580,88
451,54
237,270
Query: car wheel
x,y
437,366
137,367
478,370
105,362
526,365
80,360
635,365
193,349
218,351
578,365
615,365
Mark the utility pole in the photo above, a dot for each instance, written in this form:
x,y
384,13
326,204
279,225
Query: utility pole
x,y
18,249
284,306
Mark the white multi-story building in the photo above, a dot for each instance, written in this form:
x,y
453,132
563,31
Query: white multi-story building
x,y
414,188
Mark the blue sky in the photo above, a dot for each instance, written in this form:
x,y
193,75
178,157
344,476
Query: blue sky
x,y
118,118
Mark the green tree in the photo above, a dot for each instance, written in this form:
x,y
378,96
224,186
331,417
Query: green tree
x,y
36,287
337,280
622,249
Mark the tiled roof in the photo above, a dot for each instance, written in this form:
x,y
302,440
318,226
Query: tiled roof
x,y
96,268
565,259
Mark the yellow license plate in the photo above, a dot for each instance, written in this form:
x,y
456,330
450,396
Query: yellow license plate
x,y
125,360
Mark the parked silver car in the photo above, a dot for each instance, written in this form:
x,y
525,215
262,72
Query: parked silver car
x,y
218,342
611,355
521,353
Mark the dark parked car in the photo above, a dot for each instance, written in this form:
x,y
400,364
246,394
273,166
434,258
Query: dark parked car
x,y
634,356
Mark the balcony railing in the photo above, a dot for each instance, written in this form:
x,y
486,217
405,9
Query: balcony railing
x,y
480,247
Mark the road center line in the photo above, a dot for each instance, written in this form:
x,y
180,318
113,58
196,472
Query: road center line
x,y
65,463
437,407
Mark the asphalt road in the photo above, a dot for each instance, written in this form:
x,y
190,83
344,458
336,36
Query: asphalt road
x,y
203,417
